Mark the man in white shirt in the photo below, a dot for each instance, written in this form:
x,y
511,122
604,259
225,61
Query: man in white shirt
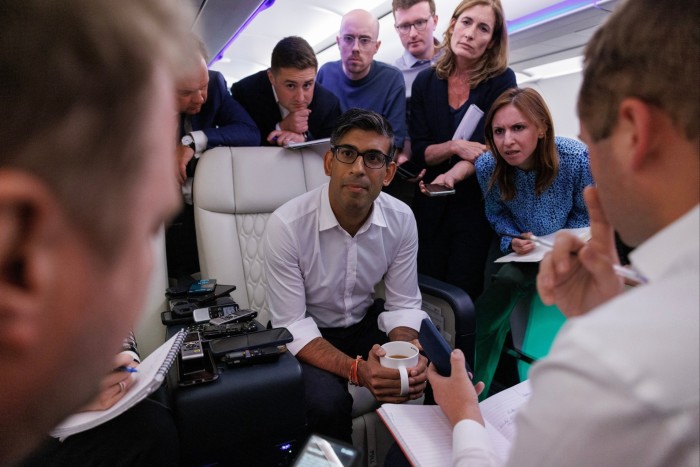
x,y
325,251
622,382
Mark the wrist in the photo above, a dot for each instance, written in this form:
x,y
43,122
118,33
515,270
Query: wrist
x,y
189,142
354,377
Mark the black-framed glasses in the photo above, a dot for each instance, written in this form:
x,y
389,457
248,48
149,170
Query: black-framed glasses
x,y
348,154
363,42
420,25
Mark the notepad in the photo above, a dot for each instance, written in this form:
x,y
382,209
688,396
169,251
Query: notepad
x,y
536,255
151,374
424,433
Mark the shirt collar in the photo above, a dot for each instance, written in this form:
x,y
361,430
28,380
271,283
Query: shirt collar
x,y
283,110
668,247
327,219
411,61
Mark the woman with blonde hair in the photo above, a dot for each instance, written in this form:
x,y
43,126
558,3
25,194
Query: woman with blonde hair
x,y
454,235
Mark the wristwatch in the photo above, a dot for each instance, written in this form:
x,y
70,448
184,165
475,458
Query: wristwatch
x,y
188,140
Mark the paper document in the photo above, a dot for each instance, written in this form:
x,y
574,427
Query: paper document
x,y
466,127
536,255
151,374
425,435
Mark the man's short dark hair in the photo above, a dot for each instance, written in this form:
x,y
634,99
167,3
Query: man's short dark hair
x,y
293,52
406,4
366,120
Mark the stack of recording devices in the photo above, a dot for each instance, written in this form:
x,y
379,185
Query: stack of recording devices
x,y
231,334
185,298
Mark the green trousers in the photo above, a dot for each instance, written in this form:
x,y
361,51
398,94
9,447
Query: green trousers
x,y
512,282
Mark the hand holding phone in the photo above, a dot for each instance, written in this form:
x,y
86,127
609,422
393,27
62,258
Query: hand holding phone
x,y
434,189
436,348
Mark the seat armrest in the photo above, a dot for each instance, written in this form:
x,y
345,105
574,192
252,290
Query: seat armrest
x,y
463,309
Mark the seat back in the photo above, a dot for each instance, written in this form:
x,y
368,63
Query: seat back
x,y
235,191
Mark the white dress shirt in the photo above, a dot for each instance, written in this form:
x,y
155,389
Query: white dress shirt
x,y
621,384
320,276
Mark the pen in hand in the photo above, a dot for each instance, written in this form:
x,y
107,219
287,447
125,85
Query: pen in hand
x,y
128,369
619,270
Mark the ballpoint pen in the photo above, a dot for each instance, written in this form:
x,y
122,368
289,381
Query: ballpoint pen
x,y
621,271
128,369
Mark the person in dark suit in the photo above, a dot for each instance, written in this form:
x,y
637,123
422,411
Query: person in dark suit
x,y
208,117
285,101
453,233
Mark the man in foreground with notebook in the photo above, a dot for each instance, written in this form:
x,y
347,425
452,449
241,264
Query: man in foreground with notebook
x,y
86,181
621,383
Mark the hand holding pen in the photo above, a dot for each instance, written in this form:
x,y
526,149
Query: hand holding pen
x,y
114,384
578,276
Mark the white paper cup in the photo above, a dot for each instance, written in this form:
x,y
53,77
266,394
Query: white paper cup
x,y
400,355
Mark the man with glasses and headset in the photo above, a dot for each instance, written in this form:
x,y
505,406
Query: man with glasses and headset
x,y
325,251
360,81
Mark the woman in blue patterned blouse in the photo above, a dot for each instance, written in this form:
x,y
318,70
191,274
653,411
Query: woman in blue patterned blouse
x,y
533,184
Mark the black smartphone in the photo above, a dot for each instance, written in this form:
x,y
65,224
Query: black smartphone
x,y
436,347
435,189
408,170
197,371
201,287
255,340
322,451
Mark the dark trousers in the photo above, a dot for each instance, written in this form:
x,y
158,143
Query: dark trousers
x,y
453,241
512,282
144,435
328,402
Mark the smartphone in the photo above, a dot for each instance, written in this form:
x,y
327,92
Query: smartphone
x,y
255,340
321,451
201,315
435,189
436,347
201,287
236,316
408,170
199,371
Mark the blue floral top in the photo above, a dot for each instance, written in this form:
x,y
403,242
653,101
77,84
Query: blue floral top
x,y
560,206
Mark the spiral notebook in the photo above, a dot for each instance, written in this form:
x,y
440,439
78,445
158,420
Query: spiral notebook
x,y
151,374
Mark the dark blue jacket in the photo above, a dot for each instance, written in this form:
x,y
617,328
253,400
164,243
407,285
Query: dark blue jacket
x,y
254,92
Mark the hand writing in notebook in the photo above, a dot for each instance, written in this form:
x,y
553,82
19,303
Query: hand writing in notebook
x,y
114,385
456,395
